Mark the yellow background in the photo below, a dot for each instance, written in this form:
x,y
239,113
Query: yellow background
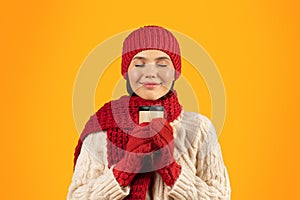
x,y
255,45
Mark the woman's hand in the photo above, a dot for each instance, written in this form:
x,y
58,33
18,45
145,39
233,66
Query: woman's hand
x,y
163,159
150,147
162,133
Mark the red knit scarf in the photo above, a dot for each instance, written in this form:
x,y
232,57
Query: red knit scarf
x,y
118,118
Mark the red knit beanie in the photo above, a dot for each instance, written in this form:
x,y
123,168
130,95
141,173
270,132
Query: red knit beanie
x,y
150,37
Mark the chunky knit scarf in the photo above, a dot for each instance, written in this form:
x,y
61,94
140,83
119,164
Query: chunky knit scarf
x,y
118,118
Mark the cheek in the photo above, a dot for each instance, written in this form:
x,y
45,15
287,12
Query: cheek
x,y
134,76
167,75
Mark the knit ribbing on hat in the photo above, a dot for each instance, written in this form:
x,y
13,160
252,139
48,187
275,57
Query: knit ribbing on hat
x,y
150,37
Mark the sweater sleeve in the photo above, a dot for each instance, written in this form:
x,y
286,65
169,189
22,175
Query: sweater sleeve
x,y
92,179
205,177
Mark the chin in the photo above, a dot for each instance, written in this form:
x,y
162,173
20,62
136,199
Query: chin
x,y
150,95
150,98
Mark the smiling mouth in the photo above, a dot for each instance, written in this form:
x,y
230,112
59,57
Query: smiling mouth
x,y
151,85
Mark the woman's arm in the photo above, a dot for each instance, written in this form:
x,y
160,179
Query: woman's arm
x,y
208,178
92,179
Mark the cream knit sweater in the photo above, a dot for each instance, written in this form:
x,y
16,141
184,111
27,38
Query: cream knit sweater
x,y
203,174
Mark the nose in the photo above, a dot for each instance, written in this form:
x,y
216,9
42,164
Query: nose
x,y
150,71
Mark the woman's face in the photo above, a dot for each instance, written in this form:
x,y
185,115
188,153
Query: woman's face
x,y
151,74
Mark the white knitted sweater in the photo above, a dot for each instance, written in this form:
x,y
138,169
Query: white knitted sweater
x,y
203,173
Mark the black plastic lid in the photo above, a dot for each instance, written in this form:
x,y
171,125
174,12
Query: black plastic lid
x,y
151,108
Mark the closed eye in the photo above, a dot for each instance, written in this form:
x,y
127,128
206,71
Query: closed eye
x,y
139,65
162,65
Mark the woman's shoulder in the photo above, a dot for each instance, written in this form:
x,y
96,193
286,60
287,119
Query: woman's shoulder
x,y
193,119
198,128
95,145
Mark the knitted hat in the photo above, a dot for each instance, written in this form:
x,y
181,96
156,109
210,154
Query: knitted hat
x,y
150,37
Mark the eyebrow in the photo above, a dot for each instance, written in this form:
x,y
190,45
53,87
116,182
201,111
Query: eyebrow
x,y
158,58
139,57
162,58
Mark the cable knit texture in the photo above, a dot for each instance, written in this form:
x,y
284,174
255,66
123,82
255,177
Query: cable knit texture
x,y
150,37
119,119
138,148
203,174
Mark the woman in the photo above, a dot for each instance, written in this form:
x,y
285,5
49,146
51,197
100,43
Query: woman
x,y
174,155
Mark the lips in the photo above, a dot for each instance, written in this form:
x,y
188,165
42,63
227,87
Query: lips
x,y
150,85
